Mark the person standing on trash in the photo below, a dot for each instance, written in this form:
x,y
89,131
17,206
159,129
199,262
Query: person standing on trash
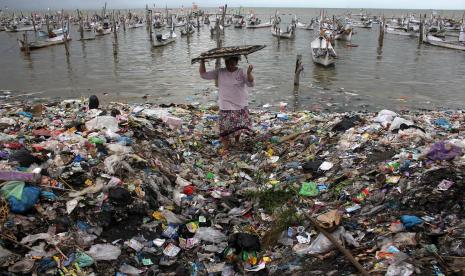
x,y
232,99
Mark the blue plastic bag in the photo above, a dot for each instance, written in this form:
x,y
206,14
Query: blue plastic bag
x,y
28,199
410,221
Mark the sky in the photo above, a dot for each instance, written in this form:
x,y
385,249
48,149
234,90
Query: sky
x,y
125,4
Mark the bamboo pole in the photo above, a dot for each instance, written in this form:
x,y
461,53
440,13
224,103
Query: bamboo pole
x,y
34,23
298,69
65,34
420,39
381,33
149,25
336,243
26,43
81,27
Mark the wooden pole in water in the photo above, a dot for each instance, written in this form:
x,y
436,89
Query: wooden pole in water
x,y
47,22
420,39
81,27
26,43
147,17
113,22
33,23
65,34
149,24
381,33
198,22
298,69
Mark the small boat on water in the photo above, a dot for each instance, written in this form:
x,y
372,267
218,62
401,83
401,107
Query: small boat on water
x,y
105,29
53,32
136,24
402,32
43,43
450,44
305,26
344,33
187,30
240,24
289,33
255,23
363,24
165,39
16,28
322,51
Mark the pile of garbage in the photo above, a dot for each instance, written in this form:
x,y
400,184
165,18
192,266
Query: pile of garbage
x,y
147,190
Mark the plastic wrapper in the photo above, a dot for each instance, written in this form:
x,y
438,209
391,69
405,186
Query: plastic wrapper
x,y
104,252
210,234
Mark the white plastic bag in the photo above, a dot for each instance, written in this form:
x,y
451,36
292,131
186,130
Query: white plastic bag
x,y
210,234
104,252
101,122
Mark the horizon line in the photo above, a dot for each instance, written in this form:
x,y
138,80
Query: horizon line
x,y
210,7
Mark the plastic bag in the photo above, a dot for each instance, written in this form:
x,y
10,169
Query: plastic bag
x,y
104,252
400,269
101,122
322,244
83,260
29,198
13,188
129,269
210,234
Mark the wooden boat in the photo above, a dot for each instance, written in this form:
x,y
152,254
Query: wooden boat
x,y
164,39
136,24
43,43
436,41
304,26
402,32
289,33
344,34
363,24
55,32
15,28
322,51
256,23
187,30
239,24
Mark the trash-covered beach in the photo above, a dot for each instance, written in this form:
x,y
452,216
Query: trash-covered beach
x,y
146,190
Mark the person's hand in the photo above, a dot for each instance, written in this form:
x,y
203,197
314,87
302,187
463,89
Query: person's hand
x,y
249,70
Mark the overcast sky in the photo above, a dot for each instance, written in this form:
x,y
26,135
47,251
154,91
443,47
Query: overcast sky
x,y
87,4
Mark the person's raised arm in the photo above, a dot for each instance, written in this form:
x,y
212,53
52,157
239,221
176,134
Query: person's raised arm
x,y
250,79
210,75
202,69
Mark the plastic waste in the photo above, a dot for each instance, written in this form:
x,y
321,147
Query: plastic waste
x,y
321,244
402,268
410,221
12,189
443,151
103,122
29,198
83,260
308,189
104,252
210,234
129,270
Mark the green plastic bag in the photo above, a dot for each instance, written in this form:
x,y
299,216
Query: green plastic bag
x,y
308,189
13,188
83,260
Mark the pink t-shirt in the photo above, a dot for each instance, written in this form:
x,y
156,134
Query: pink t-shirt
x,y
233,94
